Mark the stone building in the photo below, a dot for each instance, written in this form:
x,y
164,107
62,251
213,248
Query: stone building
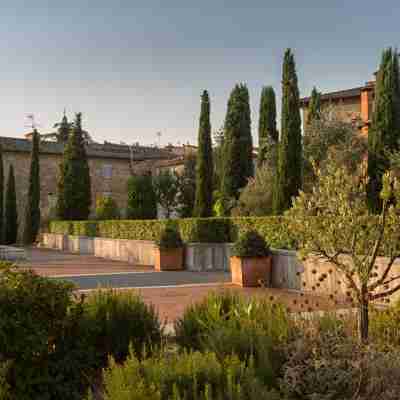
x,y
353,105
110,167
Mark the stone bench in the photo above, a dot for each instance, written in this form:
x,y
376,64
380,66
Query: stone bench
x,y
9,253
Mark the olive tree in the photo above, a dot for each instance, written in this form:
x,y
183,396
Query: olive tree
x,y
333,223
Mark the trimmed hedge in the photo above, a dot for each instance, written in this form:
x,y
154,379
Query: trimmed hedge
x,y
192,230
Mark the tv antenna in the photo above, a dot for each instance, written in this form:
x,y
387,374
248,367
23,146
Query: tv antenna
x,y
31,122
158,134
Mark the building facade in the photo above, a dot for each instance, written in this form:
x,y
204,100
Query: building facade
x,y
353,105
110,167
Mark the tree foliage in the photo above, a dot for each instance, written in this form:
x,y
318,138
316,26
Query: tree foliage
x,y
187,188
333,223
106,208
329,139
256,198
65,129
289,168
11,213
238,144
267,130
204,163
2,218
384,133
314,107
166,189
74,196
142,203
32,211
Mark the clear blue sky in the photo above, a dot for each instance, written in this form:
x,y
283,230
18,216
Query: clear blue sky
x,y
137,67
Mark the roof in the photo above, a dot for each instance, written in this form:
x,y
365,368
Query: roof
x,y
338,95
94,150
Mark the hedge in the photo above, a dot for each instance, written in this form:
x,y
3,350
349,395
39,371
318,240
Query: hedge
x,y
205,230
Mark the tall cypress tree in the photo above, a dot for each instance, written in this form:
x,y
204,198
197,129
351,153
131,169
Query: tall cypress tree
x,y
2,224
204,163
11,214
32,216
267,131
314,107
238,143
384,133
64,129
74,197
289,170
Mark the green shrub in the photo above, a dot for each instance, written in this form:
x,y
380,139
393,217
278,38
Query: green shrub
x,y
384,326
142,203
212,230
229,324
118,319
170,238
4,387
40,338
251,244
106,208
189,376
338,367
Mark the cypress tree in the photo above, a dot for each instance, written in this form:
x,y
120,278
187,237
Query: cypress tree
x,y
314,107
32,216
2,224
384,134
74,197
204,163
64,130
289,169
11,214
238,144
267,131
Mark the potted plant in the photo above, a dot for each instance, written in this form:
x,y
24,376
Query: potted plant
x,y
169,251
251,261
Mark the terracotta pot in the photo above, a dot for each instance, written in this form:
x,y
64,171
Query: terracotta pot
x,y
168,259
248,271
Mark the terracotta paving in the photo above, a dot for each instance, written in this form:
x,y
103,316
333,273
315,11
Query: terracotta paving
x,y
56,263
171,302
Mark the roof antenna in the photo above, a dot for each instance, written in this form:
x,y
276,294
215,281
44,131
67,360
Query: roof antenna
x,y
32,123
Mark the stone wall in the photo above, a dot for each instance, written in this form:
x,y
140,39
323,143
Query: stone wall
x,y
110,167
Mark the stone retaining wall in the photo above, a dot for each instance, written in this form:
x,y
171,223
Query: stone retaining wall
x,y
139,252
199,257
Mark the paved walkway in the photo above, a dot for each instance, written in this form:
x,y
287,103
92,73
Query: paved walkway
x,y
57,263
89,272
170,292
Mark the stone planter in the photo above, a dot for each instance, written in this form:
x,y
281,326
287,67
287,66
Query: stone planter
x,y
249,271
168,259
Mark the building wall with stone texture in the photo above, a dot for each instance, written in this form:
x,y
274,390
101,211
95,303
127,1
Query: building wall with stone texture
x,y
109,173
108,178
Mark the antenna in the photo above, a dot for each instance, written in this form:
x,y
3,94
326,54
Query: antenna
x,y
158,134
31,122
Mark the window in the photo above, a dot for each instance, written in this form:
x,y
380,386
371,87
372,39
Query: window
x,y
107,171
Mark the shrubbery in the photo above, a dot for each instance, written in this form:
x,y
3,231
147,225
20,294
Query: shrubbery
x,y
53,345
38,320
106,208
170,238
251,244
119,319
189,376
212,230
228,324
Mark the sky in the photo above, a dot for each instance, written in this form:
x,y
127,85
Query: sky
x,y
135,68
